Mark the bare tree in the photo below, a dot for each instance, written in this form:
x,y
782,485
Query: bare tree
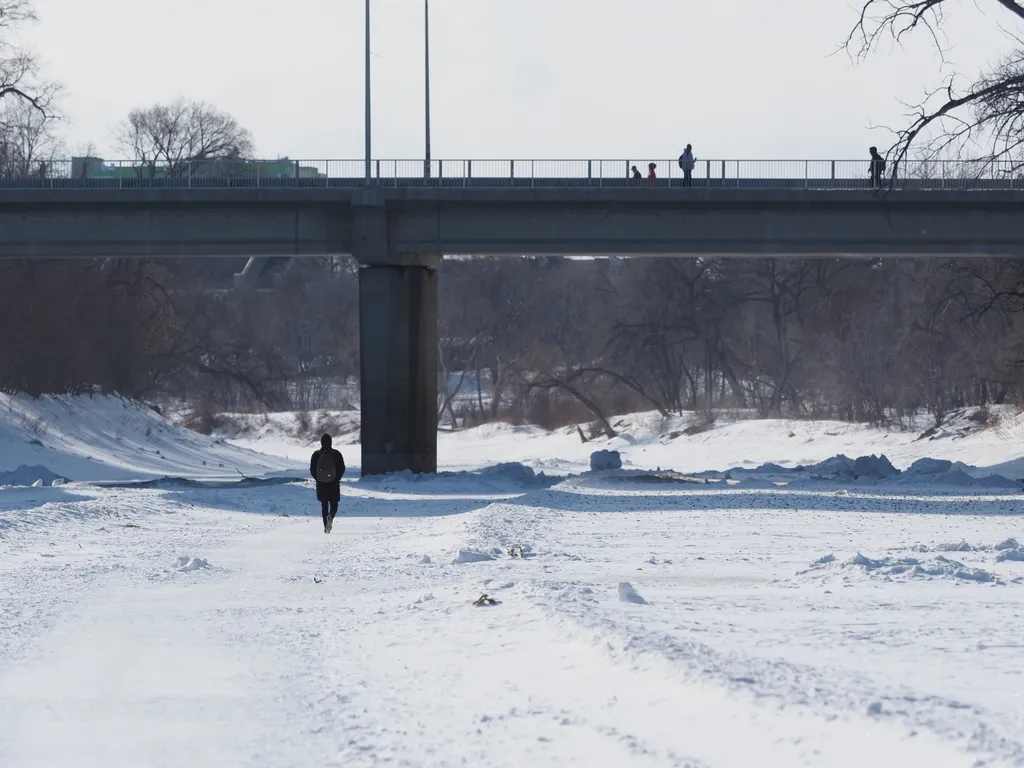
x,y
20,78
181,132
986,115
28,143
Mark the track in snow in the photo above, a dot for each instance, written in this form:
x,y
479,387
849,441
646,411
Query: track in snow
x,y
362,648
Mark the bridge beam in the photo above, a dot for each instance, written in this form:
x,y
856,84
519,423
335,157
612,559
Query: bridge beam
x,y
397,352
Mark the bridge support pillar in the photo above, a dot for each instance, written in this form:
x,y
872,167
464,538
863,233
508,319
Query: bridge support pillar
x,y
398,367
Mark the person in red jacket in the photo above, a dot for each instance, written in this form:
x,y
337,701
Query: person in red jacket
x,y
651,175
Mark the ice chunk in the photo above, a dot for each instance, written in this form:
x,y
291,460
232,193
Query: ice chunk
x,y
629,595
604,460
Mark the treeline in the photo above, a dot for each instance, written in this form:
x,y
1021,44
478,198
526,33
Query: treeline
x,y
544,340
861,340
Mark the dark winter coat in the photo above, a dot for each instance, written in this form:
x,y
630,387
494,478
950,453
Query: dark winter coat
x,y
328,491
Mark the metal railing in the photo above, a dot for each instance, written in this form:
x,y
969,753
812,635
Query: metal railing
x,y
714,174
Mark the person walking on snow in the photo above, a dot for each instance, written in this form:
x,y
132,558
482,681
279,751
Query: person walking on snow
x,y
687,162
327,466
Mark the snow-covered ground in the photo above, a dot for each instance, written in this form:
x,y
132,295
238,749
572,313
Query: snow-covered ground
x,y
666,624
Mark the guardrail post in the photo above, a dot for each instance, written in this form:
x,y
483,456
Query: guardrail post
x,y
532,174
377,169
833,170
469,173
807,173
512,169
257,174
188,172
590,169
723,169
296,169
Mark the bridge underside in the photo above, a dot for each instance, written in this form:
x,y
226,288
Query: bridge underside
x,y
397,234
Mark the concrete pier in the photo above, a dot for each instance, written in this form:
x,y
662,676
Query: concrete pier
x,y
398,368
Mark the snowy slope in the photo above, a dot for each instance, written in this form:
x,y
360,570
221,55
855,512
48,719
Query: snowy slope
x,y
108,438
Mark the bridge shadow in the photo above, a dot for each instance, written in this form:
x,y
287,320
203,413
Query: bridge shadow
x,y
299,499
455,496
699,499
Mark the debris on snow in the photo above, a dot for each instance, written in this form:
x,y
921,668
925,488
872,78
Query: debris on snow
x,y
627,594
425,560
601,461
486,600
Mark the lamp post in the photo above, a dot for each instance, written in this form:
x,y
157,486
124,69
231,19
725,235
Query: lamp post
x,y
426,69
367,97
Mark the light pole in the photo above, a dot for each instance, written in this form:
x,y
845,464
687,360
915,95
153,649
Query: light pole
x,y
367,98
426,69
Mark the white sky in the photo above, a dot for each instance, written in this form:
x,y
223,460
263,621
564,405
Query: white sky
x,y
510,78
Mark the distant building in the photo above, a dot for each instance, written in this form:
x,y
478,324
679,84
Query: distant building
x,y
98,168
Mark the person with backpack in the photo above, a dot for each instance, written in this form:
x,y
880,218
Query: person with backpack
x,y
327,466
687,162
877,168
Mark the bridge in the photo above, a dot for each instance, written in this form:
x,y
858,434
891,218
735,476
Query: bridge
x,y
400,221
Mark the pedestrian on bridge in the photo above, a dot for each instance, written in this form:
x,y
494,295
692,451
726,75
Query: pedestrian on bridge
x,y
327,466
877,168
687,162
651,175
636,174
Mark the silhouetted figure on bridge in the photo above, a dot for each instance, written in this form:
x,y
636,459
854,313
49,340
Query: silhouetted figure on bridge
x,y
877,168
651,175
687,162
636,174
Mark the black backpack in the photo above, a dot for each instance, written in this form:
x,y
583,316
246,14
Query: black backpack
x,y
326,467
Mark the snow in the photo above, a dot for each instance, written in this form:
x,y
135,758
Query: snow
x,y
648,441
104,438
653,619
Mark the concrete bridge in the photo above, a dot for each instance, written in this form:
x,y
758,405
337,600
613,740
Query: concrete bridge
x,y
398,228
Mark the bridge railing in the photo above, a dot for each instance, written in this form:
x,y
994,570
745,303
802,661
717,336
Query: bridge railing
x,y
715,174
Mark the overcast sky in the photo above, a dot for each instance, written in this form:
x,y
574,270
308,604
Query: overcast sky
x,y
510,78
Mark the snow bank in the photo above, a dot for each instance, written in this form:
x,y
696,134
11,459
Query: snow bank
x,y
865,470
31,476
471,556
103,438
508,474
935,567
